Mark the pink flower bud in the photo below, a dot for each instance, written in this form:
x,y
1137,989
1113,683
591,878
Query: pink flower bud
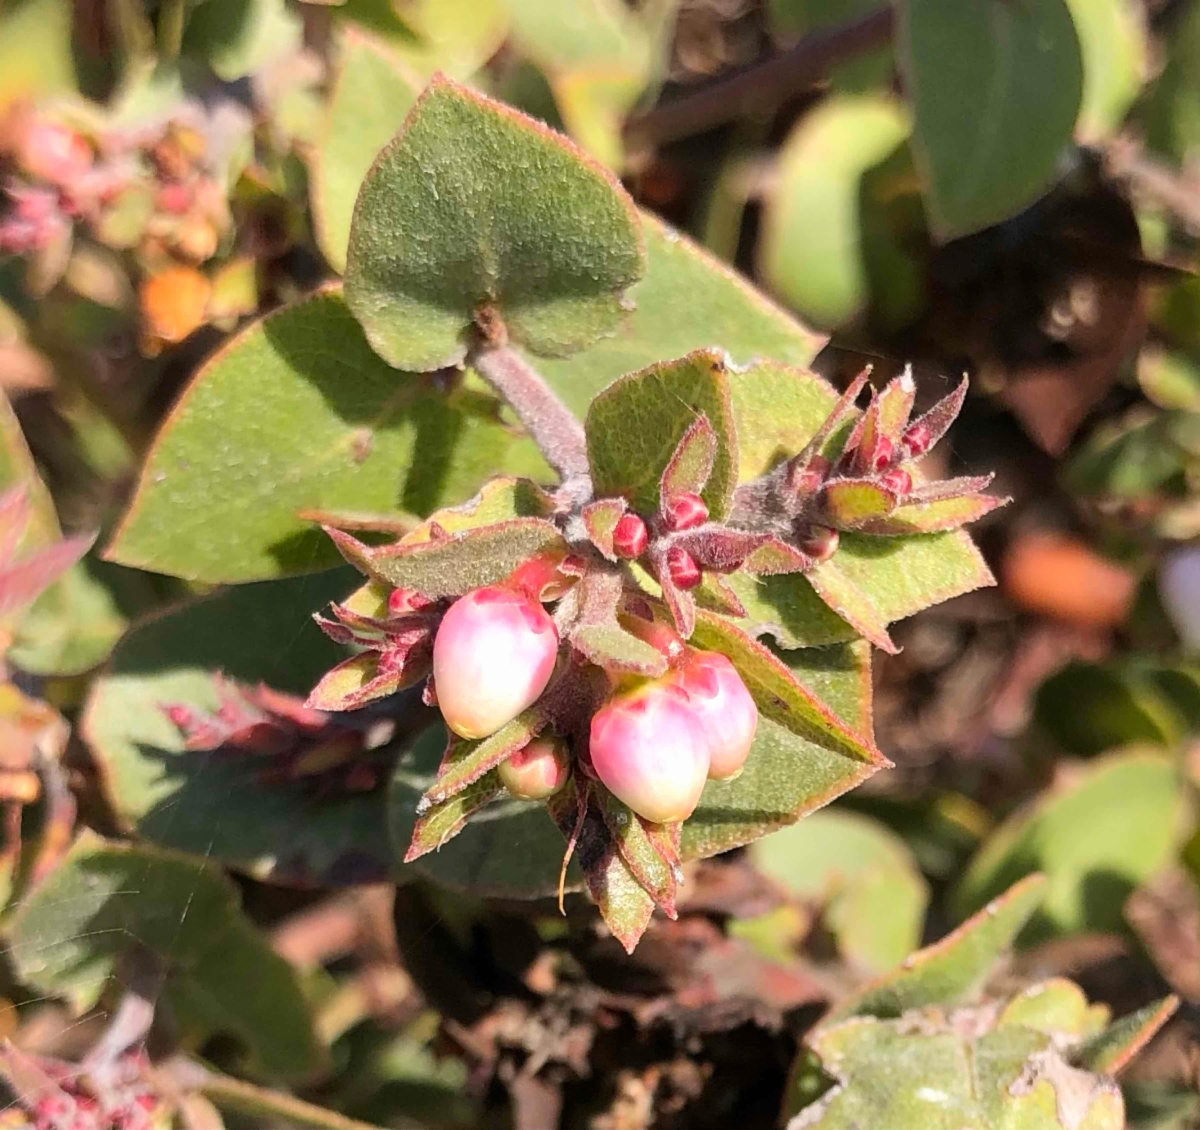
x,y
727,714
682,568
54,153
685,511
493,655
819,542
880,455
1179,591
917,440
807,480
538,771
649,750
897,480
402,601
630,537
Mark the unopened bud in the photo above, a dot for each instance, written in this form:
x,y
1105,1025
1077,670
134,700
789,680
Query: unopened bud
x,y
727,713
881,453
819,542
682,568
897,480
402,601
685,511
807,480
630,537
916,441
493,655
537,771
648,749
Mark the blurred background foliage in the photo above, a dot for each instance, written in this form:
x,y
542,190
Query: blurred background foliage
x,y
1005,187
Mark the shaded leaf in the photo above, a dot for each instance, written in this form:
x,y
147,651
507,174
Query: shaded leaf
x,y
635,425
996,89
474,205
239,37
69,934
1113,41
217,805
637,849
296,412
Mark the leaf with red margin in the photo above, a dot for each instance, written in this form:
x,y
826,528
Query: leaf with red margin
x,y
1110,1052
444,821
938,419
850,503
895,404
637,849
851,603
934,517
356,681
714,593
601,518
467,560
599,636
691,463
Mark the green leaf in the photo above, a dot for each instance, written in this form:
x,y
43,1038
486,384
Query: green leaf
x,y
934,517
996,89
298,413
1113,42
810,247
688,300
1111,1050
213,804
106,899
634,426
637,849
456,37
850,503
371,93
36,51
901,574
830,582
464,561
437,826
952,970
1096,838
240,37
863,876
470,760
474,207
1172,111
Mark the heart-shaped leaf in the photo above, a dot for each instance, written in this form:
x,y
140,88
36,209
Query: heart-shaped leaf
x,y
218,804
636,424
298,413
475,207
68,936
996,88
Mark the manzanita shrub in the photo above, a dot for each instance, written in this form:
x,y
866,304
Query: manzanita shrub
x,y
648,621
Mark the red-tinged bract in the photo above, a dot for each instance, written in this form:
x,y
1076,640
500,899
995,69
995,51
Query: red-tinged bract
x,y
727,714
649,750
538,771
493,655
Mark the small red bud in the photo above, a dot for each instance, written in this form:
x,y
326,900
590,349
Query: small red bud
x,y
537,771
493,655
685,511
807,480
174,197
881,453
54,153
897,480
682,568
402,601
649,750
819,542
630,537
727,713
917,440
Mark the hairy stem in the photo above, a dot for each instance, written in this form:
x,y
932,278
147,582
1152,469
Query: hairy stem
x,y
553,426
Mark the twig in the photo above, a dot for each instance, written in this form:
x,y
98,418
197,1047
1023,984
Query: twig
x,y
550,423
760,85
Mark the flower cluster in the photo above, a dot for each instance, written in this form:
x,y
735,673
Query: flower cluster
x,y
583,648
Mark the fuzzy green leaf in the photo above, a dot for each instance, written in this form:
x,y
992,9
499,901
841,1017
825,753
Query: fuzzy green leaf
x,y
688,300
441,823
850,503
467,560
476,206
211,804
601,518
996,88
933,517
610,646
1110,1051
298,413
637,848
372,92
863,876
1096,839
1115,48
830,582
68,936
951,970
634,426
470,760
